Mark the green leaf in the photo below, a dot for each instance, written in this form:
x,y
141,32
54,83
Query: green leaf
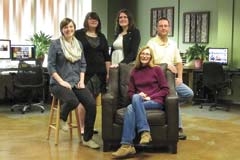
x,y
197,51
42,42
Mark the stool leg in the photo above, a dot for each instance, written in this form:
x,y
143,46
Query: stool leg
x,y
51,118
57,123
70,122
78,124
74,125
55,107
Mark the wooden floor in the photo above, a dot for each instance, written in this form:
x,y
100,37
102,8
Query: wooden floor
x,y
23,137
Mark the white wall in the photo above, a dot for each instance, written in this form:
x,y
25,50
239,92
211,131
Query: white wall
x,y
20,19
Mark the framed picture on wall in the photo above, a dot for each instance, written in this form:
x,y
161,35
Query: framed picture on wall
x,y
5,45
157,13
196,27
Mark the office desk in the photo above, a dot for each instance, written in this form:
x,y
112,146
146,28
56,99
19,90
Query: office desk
x,y
193,78
6,83
6,87
188,75
9,72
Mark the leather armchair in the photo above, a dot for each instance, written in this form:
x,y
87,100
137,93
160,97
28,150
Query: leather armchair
x,y
163,124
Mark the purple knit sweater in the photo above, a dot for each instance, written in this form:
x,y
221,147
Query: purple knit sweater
x,y
150,81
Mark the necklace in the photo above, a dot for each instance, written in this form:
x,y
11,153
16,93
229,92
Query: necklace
x,y
91,34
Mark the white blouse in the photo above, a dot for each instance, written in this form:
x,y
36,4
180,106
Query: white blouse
x,y
117,54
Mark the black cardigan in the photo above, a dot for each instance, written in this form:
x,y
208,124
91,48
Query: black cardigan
x,y
131,42
95,57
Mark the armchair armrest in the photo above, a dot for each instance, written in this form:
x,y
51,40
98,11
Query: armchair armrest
x,y
113,81
109,107
172,114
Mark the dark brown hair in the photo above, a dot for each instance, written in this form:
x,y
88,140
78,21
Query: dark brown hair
x,y
65,22
131,25
95,16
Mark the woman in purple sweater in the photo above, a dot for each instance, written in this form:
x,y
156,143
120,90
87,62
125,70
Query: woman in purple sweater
x,y
147,89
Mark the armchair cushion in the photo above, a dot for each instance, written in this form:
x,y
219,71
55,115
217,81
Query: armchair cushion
x,y
154,116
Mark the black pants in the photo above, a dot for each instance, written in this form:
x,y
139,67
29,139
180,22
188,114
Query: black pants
x,y
98,85
71,99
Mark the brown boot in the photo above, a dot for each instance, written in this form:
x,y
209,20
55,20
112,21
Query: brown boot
x,y
123,151
145,137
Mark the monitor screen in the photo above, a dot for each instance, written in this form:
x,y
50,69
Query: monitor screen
x,y
23,52
219,55
5,49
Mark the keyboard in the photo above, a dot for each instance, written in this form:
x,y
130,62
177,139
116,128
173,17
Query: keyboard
x,y
8,72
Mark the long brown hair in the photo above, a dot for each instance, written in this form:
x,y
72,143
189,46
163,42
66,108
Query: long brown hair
x,y
131,25
138,63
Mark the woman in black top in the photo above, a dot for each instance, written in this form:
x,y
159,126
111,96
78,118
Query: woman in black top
x,y
95,48
127,39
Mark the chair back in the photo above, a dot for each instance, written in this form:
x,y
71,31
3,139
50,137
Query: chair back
x,y
213,74
29,75
123,80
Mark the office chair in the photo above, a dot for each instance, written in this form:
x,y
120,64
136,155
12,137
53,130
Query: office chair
x,y
214,83
27,84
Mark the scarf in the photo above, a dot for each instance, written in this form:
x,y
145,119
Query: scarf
x,y
72,52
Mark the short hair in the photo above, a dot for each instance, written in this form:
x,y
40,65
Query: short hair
x,y
131,25
92,15
163,18
65,22
138,63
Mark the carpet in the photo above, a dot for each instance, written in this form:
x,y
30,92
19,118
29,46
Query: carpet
x,y
212,135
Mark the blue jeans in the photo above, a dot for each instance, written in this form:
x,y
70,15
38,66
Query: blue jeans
x,y
135,118
185,94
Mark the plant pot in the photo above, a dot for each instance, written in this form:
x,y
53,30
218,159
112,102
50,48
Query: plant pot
x,y
39,60
198,63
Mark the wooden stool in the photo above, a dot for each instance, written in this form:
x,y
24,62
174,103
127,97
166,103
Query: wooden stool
x,y
54,120
99,100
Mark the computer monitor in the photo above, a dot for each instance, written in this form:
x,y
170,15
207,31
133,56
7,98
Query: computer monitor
x,y
5,52
219,55
23,52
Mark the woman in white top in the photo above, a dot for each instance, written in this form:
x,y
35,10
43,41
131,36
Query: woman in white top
x,y
127,39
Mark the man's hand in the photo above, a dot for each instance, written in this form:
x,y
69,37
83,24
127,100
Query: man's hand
x,y
178,81
172,68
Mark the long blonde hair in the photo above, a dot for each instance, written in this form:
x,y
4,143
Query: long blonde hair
x,y
138,63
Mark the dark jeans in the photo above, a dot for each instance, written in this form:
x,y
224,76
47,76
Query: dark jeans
x,y
71,99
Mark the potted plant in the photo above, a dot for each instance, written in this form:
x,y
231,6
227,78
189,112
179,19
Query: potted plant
x,y
42,42
197,53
